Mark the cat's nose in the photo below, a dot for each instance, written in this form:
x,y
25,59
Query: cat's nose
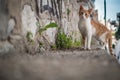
x,y
81,16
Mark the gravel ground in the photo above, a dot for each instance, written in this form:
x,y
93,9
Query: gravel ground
x,y
60,65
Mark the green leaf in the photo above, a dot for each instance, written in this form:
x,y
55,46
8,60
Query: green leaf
x,y
51,25
68,11
29,36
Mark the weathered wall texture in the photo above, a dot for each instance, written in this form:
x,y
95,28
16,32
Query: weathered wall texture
x,y
17,17
3,19
28,20
64,12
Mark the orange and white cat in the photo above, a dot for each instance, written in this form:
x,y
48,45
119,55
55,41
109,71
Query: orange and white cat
x,y
85,26
89,27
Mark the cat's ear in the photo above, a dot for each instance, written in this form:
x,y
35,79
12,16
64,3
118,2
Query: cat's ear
x,y
81,7
90,11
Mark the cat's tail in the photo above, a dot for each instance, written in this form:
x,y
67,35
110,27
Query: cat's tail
x,y
110,44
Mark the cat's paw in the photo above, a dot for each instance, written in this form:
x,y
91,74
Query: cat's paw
x,y
113,54
84,48
88,49
98,48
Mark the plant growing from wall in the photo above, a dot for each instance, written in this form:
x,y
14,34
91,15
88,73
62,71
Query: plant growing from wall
x,y
76,43
68,12
40,44
62,41
29,36
50,25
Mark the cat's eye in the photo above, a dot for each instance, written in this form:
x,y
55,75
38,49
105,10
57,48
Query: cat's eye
x,y
81,13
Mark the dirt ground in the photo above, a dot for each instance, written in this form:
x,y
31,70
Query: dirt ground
x,y
59,65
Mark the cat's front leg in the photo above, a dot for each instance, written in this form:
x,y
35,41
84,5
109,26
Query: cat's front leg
x,y
85,43
89,38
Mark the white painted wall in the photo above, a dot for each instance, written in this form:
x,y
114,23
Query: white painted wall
x,y
28,20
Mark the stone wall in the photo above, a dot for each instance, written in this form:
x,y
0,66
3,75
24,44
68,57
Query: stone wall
x,y
18,17
3,19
